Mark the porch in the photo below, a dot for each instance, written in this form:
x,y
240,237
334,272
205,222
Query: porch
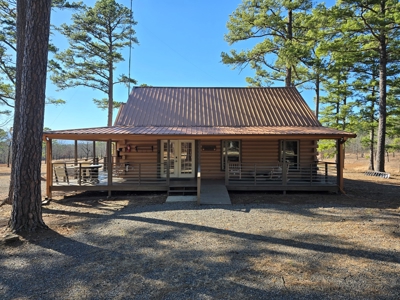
x,y
318,176
149,176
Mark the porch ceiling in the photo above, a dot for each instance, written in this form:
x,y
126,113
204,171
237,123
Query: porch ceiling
x,y
121,132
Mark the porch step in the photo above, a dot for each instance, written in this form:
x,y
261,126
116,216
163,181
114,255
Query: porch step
x,y
181,199
182,190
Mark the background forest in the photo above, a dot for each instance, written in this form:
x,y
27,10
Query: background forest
x,y
347,53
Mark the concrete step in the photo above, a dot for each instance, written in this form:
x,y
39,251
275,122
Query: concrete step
x,y
181,199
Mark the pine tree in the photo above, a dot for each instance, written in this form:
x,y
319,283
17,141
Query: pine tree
x,y
8,48
277,24
374,26
366,86
33,29
96,37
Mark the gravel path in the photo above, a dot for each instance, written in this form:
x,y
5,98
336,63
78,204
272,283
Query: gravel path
x,y
124,250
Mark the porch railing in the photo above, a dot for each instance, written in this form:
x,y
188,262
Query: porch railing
x,y
153,174
319,173
138,173
127,173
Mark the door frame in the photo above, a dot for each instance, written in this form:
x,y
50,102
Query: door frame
x,y
177,164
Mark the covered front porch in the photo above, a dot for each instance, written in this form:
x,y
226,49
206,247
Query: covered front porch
x,y
148,176
181,163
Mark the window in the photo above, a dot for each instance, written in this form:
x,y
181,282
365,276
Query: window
x,y
289,151
233,149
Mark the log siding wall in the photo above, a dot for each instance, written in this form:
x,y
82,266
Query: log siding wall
x,y
253,152
137,156
211,161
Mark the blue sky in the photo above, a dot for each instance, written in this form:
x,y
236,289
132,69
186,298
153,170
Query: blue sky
x,y
180,45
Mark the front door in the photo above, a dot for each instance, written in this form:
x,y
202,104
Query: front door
x,y
181,156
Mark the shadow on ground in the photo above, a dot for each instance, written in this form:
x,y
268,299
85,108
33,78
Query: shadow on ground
x,y
266,245
128,247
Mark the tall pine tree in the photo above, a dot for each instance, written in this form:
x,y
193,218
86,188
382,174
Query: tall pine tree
x,y
33,29
277,26
96,37
374,25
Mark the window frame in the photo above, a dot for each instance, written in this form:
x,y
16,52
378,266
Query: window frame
x,y
293,165
222,155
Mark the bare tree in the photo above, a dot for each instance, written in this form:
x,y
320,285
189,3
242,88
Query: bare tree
x,y
85,148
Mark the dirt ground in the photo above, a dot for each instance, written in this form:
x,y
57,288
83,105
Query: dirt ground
x,y
293,246
361,190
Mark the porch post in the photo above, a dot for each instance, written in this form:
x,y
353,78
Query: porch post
x,y
283,162
94,153
49,169
198,171
109,167
168,160
225,151
340,163
198,154
285,168
76,153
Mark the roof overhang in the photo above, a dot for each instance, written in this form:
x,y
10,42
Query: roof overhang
x,y
124,132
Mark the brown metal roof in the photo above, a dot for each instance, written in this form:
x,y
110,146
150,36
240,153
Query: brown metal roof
x,y
210,112
199,131
215,107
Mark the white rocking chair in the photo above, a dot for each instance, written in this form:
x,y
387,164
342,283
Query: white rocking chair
x,y
277,172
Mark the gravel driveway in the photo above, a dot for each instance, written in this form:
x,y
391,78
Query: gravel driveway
x,y
265,246
131,249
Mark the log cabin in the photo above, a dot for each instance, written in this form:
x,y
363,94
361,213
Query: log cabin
x,y
175,139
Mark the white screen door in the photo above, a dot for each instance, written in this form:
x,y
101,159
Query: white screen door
x,y
181,158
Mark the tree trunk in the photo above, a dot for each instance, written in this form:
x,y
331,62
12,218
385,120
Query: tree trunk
x,y
110,87
337,106
380,156
317,92
26,180
21,19
8,154
110,99
372,131
344,117
371,149
288,79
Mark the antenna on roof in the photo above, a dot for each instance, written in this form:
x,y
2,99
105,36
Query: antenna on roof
x,y
130,55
